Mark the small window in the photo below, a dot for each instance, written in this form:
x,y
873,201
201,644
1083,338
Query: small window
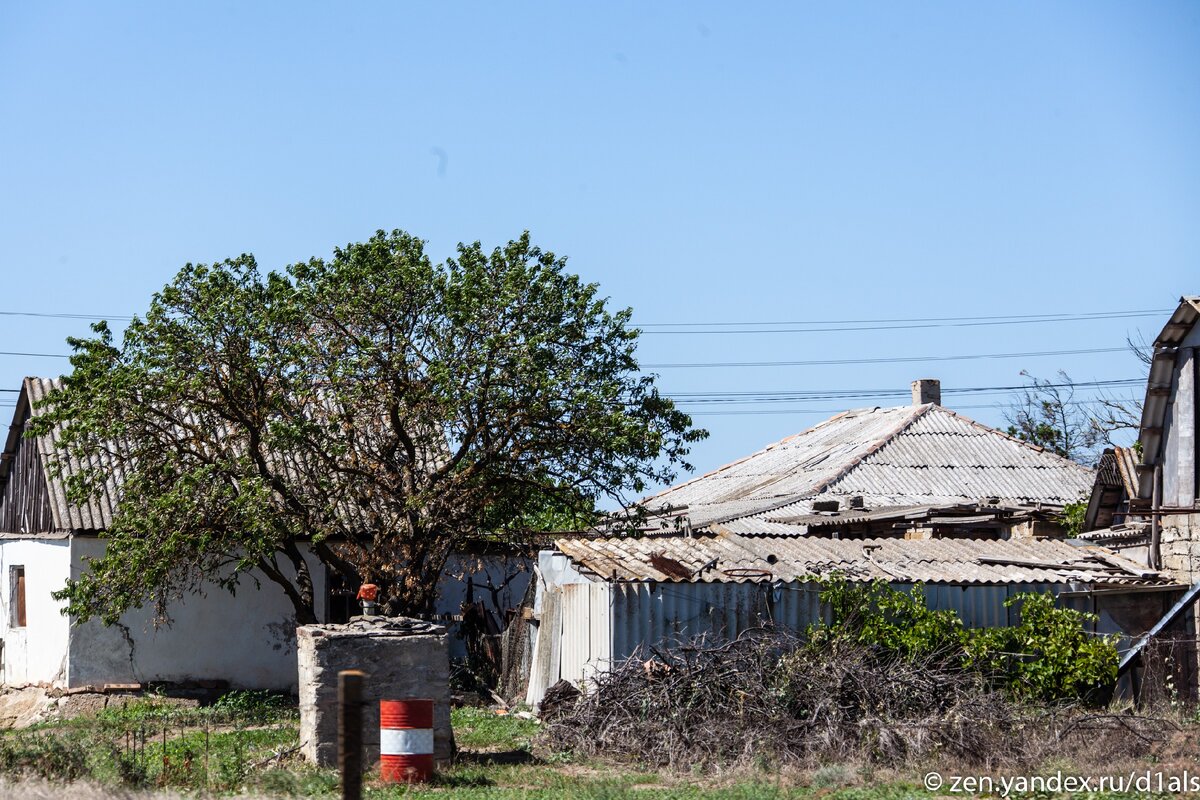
x,y
16,595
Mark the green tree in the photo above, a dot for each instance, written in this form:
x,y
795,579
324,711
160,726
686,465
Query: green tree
x,y
376,406
1048,416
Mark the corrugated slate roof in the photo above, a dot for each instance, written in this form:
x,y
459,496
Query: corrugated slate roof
x,y
910,455
67,516
97,514
725,556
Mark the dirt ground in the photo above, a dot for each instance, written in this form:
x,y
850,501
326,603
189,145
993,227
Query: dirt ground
x,y
40,790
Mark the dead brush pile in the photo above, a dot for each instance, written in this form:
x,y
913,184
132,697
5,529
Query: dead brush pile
x,y
768,697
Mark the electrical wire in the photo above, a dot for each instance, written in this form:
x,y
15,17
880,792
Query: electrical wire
x,y
836,394
977,322
54,315
893,360
875,323
1054,316
34,355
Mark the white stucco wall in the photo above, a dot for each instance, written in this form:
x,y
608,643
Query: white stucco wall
x,y
37,653
247,639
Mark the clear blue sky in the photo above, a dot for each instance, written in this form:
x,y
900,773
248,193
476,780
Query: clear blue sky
x,y
702,162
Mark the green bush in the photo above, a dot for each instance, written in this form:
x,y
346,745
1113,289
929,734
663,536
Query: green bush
x,y
877,615
1048,656
253,703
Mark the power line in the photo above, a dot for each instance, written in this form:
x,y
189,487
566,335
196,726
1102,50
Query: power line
x,y
893,360
752,412
875,323
976,322
760,412
34,355
760,398
64,315
829,394
814,363
1072,315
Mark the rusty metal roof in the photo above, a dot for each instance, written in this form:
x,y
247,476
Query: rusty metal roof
x,y
905,456
724,556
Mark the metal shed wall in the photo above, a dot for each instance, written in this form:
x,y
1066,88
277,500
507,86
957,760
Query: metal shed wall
x,y
599,622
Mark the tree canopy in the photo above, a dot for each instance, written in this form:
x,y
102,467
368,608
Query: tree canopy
x,y
376,406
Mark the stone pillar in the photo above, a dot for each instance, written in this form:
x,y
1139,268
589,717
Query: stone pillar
x,y
402,658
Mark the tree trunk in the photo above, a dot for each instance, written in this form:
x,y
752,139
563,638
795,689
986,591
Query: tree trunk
x,y
302,603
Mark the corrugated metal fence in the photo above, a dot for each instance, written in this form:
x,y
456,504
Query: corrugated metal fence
x,y
585,626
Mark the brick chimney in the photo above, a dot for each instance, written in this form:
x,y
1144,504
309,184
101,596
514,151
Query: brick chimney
x,y
927,390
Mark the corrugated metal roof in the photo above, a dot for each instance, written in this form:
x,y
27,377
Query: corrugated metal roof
x,y
1158,384
97,514
724,556
1120,533
910,455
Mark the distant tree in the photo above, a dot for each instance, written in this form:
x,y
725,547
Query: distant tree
x,y
1048,415
1115,413
378,407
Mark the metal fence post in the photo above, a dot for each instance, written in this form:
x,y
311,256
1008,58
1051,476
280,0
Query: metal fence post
x,y
350,714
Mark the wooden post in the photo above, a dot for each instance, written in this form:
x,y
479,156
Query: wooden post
x,y
350,714
1153,552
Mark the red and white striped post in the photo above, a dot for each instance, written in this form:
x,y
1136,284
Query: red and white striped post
x,y
405,741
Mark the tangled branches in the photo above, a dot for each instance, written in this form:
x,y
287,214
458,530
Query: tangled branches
x,y
768,696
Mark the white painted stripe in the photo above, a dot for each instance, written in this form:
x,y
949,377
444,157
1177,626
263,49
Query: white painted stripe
x,y
406,741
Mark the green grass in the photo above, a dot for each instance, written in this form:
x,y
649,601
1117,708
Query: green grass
x,y
152,743
246,746
483,729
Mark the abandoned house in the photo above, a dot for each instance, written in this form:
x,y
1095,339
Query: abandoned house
x,y
917,471
247,640
916,494
1145,501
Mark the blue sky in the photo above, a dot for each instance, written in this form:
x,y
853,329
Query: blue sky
x,y
703,162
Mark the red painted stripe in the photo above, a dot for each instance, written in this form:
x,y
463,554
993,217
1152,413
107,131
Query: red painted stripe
x,y
406,714
406,769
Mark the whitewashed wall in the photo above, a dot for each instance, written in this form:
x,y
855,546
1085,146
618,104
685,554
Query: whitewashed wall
x,y
36,653
247,639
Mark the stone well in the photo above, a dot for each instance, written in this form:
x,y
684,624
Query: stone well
x,y
402,658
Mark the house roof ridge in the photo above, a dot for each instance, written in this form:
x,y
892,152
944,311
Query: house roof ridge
x,y
880,443
1011,438
845,470
746,458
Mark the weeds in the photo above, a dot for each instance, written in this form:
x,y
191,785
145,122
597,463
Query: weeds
x,y
152,742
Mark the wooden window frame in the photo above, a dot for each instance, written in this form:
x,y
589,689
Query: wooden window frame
x,y
17,609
